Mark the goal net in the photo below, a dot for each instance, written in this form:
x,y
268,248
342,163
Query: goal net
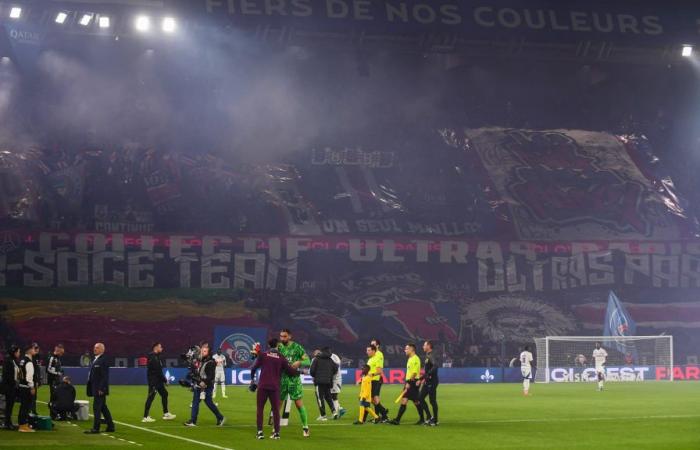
x,y
630,358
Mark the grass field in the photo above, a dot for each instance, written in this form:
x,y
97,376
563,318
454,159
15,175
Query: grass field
x,y
556,416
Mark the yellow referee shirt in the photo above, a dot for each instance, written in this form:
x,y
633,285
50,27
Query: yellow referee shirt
x,y
376,364
413,368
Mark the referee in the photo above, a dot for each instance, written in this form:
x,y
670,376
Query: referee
x,y
410,391
376,369
429,383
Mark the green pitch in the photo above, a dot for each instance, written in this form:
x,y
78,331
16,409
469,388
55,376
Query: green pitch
x,y
625,416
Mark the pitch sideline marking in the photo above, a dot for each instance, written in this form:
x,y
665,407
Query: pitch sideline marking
x,y
182,438
572,419
193,441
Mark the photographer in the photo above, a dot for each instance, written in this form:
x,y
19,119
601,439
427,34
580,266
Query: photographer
x,y
156,384
203,386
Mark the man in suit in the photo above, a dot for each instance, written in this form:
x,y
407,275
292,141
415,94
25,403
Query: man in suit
x,y
98,388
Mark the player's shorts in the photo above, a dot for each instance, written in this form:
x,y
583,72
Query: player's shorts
x,y
336,388
291,386
220,377
413,393
365,403
376,388
600,369
526,373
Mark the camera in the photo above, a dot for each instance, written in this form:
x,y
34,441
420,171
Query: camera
x,y
191,358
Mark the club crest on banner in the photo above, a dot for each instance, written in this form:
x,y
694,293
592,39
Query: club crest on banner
x,y
619,323
238,347
238,343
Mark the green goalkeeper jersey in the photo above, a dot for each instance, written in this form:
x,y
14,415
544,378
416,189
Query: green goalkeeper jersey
x,y
294,352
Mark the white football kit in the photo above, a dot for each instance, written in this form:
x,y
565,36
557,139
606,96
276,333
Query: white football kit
x,y
338,377
526,364
599,355
220,374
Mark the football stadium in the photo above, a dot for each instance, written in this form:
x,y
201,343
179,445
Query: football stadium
x,y
349,224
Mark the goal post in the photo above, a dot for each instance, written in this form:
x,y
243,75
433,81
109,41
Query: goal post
x,y
630,358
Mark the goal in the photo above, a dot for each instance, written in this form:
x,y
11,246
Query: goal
x,y
630,358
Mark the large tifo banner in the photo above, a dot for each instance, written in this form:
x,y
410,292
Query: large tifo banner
x,y
488,184
469,18
497,234
486,375
338,292
57,259
567,185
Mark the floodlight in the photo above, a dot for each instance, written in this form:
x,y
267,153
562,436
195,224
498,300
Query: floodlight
x,y
85,19
143,23
169,25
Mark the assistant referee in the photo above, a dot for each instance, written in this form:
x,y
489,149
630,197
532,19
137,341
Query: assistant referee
x,y
410,391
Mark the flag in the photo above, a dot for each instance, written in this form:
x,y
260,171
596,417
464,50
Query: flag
x,y
619,323
658,316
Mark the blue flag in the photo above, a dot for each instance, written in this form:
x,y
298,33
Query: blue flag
x,y
619,323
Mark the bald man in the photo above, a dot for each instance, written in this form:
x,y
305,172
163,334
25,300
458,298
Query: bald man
x,y
98,389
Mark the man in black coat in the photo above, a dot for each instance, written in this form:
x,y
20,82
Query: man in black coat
x,y
10,379
63,405
54,371
429,383
156,384
27,387
98,388
323,369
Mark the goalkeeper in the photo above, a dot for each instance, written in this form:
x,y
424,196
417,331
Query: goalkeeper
x,y
291,385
